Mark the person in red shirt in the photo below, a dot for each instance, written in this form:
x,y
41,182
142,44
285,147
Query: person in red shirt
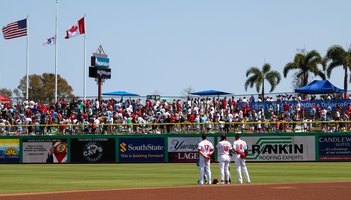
x,y
286,108
40,108
179,106
224,103
348,108
234,103
302,113
192,118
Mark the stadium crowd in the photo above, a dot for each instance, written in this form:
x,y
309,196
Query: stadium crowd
x,y
193,114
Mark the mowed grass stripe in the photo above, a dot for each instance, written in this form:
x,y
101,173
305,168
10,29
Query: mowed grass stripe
x,y
46,178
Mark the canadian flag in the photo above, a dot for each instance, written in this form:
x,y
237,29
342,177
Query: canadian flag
x,y
77,29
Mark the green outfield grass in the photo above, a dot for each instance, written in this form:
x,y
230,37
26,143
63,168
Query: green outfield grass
x,y
45,178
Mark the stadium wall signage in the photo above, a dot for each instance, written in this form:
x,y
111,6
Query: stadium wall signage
x,y
93,150
44,150
9,150
267,147
280,148
184,149
141,149
337,148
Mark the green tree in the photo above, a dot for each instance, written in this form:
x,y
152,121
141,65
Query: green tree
x,y
6,92
306,63
42,87
338,56
258,77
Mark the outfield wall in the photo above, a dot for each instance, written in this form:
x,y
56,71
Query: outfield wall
x,y
170,148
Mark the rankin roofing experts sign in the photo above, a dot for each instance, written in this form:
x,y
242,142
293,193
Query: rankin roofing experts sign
x,y
280,148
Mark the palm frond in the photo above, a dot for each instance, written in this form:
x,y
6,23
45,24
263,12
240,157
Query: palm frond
x,y
299,59
316,71
324,63
332,65
250,82
288,67
274,75
266,68
253,70
322,75
258,86
335,52
313,55
273,78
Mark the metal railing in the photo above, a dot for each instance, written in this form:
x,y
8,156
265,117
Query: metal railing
x,y
181,128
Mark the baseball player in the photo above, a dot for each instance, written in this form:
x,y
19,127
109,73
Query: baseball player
x,y
240,149
205,148
224,150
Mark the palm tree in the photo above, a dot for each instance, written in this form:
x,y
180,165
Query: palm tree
x,y
339,57
306,63
258,77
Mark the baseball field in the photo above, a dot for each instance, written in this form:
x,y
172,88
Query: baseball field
x,y
18,180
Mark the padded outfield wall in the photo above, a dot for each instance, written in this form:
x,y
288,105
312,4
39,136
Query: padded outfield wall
x,y
282,147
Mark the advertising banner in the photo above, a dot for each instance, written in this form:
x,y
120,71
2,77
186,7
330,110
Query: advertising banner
x,y
93,150
279,148
335,148
48,150
141,150
100,62
98,72
9,151
307,104
184,149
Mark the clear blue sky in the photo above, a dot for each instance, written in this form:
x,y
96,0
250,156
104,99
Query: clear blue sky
x,y
168,45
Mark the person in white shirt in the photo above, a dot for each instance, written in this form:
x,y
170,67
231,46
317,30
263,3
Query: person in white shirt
x,y
205,148
240,149
224,150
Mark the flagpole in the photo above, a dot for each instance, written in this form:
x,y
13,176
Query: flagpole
x,y
27,60
56,50
84,68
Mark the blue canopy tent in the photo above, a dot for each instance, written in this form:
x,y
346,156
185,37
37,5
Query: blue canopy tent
x,y
120,93
210,93
319,87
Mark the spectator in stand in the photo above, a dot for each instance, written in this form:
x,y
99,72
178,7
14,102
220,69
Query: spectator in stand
x,y
75,115
252,98
286,108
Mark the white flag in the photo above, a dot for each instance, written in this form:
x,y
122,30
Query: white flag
x,y
50,41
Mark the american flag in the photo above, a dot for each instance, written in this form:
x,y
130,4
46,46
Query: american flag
x,y
15,29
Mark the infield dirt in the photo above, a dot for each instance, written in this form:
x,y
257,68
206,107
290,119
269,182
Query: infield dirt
x,y
296,191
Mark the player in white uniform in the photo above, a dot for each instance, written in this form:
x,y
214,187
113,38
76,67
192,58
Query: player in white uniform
x,y
240,149
205,148
224,149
